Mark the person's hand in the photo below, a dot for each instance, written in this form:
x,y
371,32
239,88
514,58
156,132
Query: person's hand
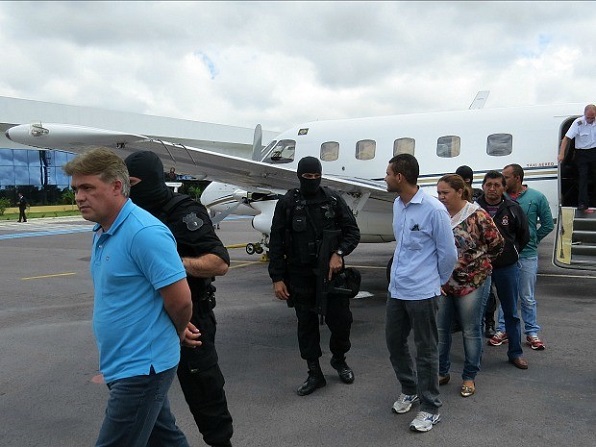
x,y
190,336
336,263
281,291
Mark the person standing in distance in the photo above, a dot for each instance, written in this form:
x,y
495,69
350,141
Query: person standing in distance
x,y
141,304
301,218
22,203
540,223
424,258
204,257
583,129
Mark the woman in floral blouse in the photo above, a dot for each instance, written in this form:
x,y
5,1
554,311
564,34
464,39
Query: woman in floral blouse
x,y
478,241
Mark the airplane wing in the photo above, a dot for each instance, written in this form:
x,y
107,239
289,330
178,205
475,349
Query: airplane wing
x,y
200,163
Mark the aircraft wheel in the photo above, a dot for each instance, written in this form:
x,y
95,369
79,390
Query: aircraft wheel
x,y
250,248
258,249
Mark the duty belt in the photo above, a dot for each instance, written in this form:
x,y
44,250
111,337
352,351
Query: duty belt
x,y
206,303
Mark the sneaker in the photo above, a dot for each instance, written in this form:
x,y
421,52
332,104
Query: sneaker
x,y
498,339
535,343
404,403
424,421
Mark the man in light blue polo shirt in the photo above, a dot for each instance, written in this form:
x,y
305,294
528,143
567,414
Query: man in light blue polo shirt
x,y
142,304
424,258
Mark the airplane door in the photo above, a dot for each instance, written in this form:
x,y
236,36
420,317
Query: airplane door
x,y
575,241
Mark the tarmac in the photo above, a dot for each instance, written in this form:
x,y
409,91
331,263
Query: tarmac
x,y
51,393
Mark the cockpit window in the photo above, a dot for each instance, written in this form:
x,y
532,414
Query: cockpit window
x,y
281,152
330,151
499,144
365,149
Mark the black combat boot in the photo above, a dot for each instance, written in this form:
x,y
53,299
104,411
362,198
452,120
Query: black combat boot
x,y
315,379
346,375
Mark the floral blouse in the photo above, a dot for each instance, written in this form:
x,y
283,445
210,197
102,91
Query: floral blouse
x,y
478,241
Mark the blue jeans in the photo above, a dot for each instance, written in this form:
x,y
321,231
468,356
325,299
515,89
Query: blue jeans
x,y
506,281
403,316
469,311
527,287
138,413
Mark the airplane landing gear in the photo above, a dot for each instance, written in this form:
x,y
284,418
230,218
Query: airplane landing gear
x,y
251,248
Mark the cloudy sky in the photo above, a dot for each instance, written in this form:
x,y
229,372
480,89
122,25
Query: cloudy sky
x,y
283,63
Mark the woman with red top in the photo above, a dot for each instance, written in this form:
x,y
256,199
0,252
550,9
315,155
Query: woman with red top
x,y
478,241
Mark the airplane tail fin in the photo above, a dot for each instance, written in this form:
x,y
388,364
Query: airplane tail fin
x,y
479,100
257,144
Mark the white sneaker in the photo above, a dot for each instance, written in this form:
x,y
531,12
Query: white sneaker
x,y
404,403
424,421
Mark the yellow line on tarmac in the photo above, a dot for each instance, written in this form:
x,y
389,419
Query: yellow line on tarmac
x,y
244,264
49,276
236,246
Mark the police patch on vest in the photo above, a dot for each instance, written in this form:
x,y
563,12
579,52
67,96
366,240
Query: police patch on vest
x,y
192,221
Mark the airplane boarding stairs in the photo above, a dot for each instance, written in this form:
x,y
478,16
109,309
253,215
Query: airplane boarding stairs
x,y
576,239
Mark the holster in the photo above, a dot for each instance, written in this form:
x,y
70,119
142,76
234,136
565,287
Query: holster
x,y
206,303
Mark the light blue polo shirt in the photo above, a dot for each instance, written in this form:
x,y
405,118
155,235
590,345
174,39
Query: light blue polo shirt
x,y
129,264
425,254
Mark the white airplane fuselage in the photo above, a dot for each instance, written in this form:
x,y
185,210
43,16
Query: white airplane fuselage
x,y
527,136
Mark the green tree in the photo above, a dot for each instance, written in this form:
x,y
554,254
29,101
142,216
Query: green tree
x,y
68,197
195,191
4,203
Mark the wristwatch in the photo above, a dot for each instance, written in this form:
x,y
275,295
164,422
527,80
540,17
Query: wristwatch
x,y
340,253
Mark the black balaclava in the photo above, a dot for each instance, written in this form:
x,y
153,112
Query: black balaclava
x,y
151,193
310,165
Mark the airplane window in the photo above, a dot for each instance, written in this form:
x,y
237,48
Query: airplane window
x,y
365,149
281,152
448,146
499,144
404,146
330,151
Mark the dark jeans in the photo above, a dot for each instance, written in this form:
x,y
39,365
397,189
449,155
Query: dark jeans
x,y
22,215
584,159
202,383
506,282
420,316
138,413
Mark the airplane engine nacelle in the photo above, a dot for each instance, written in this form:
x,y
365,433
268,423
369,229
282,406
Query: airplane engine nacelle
x,y
262,221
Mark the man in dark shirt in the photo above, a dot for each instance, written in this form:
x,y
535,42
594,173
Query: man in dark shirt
x,y
513,225
301,219
204,257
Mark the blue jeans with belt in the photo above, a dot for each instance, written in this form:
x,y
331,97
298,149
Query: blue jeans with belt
x,y
138,413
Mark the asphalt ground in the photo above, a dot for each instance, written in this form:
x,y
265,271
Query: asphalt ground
x,y
50,395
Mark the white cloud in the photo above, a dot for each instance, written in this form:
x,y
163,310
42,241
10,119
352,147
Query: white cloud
x,y
281,63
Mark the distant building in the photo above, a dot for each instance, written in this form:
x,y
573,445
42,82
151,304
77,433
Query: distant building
x,y
39,173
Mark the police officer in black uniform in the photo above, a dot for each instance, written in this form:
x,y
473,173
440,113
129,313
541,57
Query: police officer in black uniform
x,y
204,257
300,218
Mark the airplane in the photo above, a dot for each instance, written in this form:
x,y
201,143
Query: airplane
x,y
355,152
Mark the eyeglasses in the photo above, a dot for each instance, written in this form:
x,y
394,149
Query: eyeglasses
x,y
308,176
